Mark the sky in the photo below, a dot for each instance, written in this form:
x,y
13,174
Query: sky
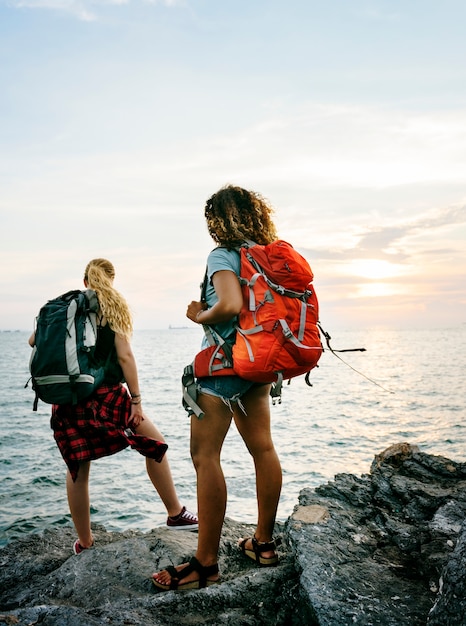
x,y
119,118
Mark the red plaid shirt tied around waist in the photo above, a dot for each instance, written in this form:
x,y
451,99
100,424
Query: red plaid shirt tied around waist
x,y
97,427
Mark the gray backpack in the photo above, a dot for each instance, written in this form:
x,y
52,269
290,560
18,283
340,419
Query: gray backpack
x,y
62,365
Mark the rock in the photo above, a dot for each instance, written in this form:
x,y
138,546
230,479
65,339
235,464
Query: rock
x,y
450,607
376,549
42,582
384,548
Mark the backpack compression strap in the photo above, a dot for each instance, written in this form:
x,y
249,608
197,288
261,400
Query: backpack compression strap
x,y
190,392
334,352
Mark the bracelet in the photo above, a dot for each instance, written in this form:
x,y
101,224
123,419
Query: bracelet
x,y
135,395
197,315
136,401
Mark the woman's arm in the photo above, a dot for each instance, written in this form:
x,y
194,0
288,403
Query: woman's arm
x,y
230,300
130,372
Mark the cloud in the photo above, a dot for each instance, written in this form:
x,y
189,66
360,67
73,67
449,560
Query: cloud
x,y
385,241
415,263
432,243
85,10
378,14
75,8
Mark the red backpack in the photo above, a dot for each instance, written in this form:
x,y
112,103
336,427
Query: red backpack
x,y
277,336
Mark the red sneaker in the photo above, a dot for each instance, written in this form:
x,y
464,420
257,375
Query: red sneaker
x,y
183,521
78,548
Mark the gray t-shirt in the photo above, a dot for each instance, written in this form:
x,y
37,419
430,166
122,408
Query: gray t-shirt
x,y
222,259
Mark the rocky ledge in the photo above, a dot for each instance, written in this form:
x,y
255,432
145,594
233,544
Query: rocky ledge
x,y
384,548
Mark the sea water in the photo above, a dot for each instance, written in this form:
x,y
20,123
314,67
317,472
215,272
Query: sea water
x,y
416,393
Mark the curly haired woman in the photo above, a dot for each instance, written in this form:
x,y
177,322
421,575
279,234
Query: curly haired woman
x,y
112,418
233,215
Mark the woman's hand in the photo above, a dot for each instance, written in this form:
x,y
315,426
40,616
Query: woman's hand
x,y
137,416
194,308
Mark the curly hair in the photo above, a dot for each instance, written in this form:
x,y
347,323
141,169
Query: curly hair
x,y
99,275
234,215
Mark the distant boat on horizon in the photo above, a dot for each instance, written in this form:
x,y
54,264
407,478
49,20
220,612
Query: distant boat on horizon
x,y
170,327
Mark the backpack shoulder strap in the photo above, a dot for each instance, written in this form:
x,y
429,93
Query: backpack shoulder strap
x,y
213,337
204,286
93,302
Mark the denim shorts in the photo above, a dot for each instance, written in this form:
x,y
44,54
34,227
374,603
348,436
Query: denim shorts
x,y
228,388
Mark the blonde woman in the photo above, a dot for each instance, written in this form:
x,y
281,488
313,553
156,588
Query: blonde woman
x,y
233,215
113,417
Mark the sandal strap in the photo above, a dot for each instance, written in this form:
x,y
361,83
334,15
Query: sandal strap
x,y
177,576
264,546
203,571
172,571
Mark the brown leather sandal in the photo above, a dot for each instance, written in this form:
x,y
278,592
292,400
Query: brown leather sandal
x,y
193,566
258,547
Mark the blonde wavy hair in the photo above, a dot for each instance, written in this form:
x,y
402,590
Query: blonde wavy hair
x,y
99,275
234,215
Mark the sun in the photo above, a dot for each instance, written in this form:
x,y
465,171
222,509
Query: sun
x,y
373,269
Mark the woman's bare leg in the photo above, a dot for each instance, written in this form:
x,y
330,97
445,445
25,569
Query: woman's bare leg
x,y
207,437
78,501
160,473
254,427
